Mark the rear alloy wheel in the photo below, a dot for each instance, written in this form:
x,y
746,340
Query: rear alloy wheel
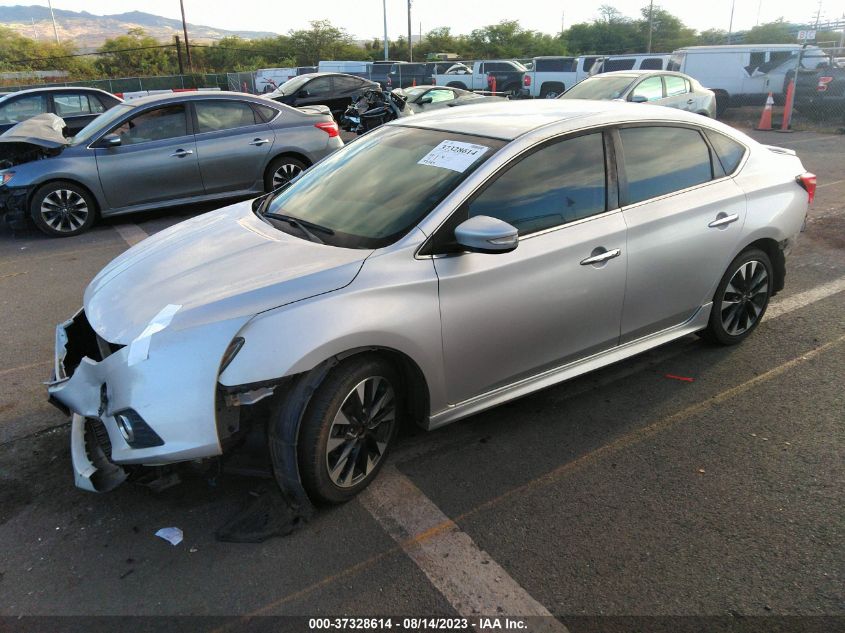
x,y
348,429
282,171
741,298
62,209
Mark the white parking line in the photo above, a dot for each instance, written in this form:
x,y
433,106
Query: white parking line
x,y
131,233
473,583
794,302
829,184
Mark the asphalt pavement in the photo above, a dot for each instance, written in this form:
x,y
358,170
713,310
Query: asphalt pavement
x,y
691,485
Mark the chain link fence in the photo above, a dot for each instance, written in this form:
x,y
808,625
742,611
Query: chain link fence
x,y
133,84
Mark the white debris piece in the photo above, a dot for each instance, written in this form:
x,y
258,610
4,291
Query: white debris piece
x,y
172,535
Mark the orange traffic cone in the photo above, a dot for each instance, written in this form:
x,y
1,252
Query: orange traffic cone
x,y
414,82
766,118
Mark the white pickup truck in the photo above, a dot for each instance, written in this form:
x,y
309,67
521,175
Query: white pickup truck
x,y
475,76
550,76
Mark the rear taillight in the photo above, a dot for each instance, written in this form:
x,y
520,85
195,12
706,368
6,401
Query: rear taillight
x,y
822,85
329,127
808,181
526,80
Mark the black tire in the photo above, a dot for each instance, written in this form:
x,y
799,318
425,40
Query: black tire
x,y
326,478
282,170
62,209
551,91
738,309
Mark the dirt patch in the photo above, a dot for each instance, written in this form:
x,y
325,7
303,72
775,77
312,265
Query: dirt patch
x,y
829,230
14,496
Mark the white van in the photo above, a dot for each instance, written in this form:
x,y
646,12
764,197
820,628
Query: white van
x,y
362,69
649,61
743,74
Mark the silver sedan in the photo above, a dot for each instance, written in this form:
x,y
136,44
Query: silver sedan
x,y
657,87
156,152
438,266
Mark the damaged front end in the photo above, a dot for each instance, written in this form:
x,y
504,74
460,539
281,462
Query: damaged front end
x,y
38,138
153,408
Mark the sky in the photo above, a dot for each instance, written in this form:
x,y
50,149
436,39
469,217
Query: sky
x,y
363,19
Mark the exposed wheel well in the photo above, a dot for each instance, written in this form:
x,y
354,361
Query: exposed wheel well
x,y
413,379
723,100
773,250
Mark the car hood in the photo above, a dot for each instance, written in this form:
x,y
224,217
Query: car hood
x,y
217,266
43,130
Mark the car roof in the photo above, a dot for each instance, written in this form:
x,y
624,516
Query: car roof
x,y
639,73
48,89
510,120
199,94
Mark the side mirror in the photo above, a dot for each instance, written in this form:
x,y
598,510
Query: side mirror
x,y
638,99
111,140
425,99
483,234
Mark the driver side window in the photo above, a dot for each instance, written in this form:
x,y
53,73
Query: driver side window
x,y
319,87
557,184
651,89
154,125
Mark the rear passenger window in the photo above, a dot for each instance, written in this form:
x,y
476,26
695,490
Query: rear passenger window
x,y
618,64
213,116
560,183
675,85
730,152
559,65
660,160
652,63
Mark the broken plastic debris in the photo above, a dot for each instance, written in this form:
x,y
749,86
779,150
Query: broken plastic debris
x,y
681,378
172,535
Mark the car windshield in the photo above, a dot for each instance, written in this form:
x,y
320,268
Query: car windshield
x,y
291,85
101,124
599,88
375,190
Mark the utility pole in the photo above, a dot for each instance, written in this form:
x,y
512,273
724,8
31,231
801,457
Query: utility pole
x,y
410,46
185,31
53,16
650,24
731,24
384,6
179,55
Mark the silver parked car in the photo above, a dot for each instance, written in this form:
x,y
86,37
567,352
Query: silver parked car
x,y
433,268
657,87
156,152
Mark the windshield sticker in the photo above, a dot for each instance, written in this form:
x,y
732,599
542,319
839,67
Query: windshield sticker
x,y
453,155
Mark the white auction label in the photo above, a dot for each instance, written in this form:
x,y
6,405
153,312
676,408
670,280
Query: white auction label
x,y
453,155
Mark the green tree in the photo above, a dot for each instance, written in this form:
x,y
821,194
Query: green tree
x,y
136,53
667,31
323,41
777,32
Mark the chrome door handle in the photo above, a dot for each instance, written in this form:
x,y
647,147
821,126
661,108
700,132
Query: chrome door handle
x,y
260,141
723,220
181,153
601,257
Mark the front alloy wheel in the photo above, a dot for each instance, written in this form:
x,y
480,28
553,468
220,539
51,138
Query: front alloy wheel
x,y
348,427
62,209
360,432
